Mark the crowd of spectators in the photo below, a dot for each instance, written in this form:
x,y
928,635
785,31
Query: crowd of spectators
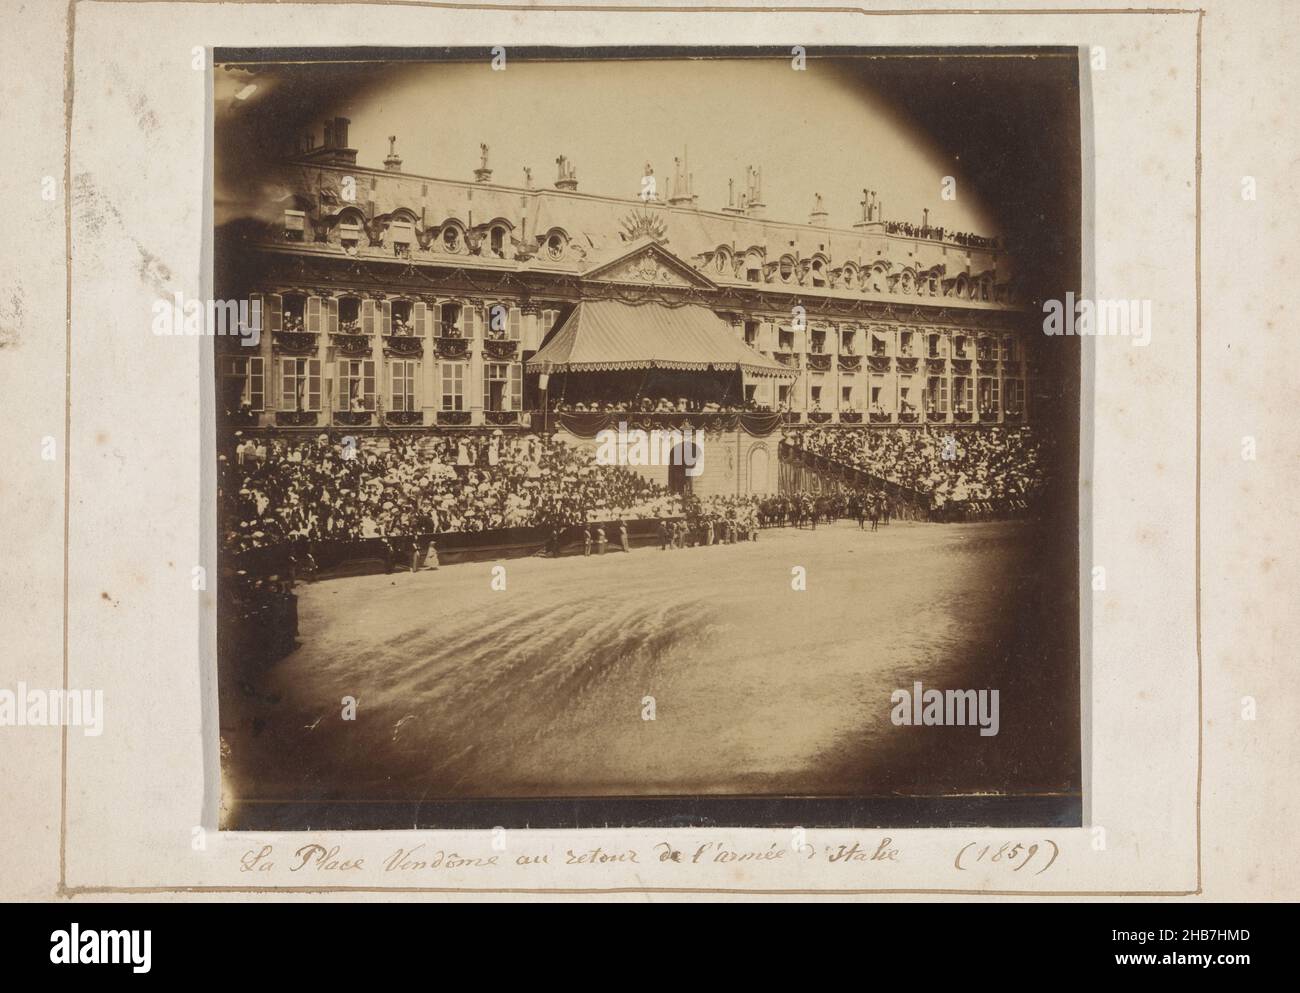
x,y
997,464
655,405
277,491
932,233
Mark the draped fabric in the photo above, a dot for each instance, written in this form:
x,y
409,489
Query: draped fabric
x,y
588,425
610,335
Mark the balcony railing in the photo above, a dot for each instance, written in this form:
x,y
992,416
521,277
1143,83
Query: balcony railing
x,y
354,418
819,363
936,416
962,416
298,342
850,363
850,417
501,416
403,345
881,417
453,417
500,349
351,344
908,417
451,348
404,418
819,416
296,418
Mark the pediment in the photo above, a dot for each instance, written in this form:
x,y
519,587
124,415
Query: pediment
x,y
649,264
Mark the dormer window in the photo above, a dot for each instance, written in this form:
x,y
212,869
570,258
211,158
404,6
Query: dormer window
x,y
295,223
786,269
555,247
451,239
350,236
497,242
818,274
401,234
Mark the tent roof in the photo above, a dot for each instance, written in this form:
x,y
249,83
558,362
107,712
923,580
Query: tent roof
x,y
606,335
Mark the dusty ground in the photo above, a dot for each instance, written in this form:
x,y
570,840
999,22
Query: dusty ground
x,y
464,691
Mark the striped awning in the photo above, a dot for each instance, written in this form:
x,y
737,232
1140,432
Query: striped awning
x,y
609,335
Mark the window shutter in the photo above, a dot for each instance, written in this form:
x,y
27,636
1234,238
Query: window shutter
x,y
256,308
435,315
420,317
286,384
368,383
476,322
331,315
313,318
516,388
386,317
341,387
460,319
256,384
516,323
274,312
313,384
367,317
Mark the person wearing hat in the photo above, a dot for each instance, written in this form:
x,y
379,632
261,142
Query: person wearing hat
x,y
601,540
586,540
663,535
622,535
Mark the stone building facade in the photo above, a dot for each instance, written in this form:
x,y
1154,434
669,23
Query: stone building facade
x,y
402,302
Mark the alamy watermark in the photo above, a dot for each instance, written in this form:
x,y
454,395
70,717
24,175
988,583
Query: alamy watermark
x,y
1084,317
31,707
178,316
946,708
656,447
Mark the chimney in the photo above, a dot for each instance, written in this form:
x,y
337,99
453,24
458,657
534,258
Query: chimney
x,y
818,217
393,163
566,175
329,134
341,132
754,205
731,207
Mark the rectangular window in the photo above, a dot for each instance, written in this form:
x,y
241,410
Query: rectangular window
x,y
501,386
905,344
295,222
402,375
879,344
242,383
1008,349
937,394
349,235
959,346
299,384
453,386
356,385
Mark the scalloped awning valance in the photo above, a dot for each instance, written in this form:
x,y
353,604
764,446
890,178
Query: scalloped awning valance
x,y
606,335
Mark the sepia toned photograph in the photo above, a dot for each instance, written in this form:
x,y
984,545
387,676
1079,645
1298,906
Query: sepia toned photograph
x,y
642,437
